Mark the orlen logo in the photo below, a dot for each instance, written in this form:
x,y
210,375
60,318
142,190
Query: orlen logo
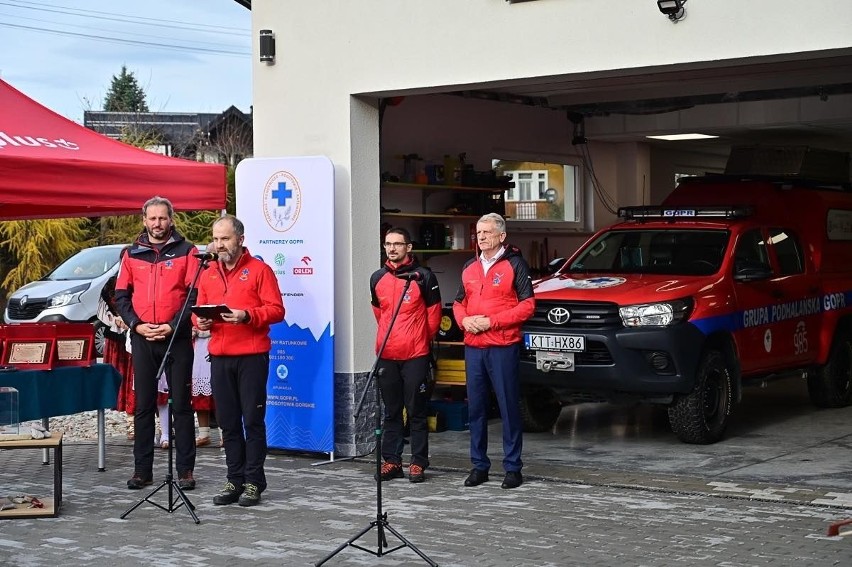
x,y
307,271
18,141
282,201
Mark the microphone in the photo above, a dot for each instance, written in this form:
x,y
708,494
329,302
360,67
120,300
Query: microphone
x,y
410,276
207,256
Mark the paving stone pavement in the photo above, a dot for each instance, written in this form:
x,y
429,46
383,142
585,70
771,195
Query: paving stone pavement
x,y
560,516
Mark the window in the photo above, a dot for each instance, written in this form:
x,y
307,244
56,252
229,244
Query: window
x,y
751,254
788,251
688,252
543,193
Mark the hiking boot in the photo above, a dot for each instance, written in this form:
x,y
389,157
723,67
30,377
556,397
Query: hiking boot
x,y
229,494
250,495
391,471
185,481
138,481
416,473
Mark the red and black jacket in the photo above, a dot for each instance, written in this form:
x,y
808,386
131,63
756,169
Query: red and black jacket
x,y
419,314
505,295
152,284
251,286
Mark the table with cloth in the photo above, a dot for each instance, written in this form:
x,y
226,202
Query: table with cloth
x,y
65,391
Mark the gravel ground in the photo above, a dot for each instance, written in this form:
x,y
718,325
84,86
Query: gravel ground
x,y
84,426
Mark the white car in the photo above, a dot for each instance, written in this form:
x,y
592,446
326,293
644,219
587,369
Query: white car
x,y
69,293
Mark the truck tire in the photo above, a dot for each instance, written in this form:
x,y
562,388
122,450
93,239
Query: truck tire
x,y
701,416
540,409
830,386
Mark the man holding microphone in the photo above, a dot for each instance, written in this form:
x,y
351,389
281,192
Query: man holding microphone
x,y
239,356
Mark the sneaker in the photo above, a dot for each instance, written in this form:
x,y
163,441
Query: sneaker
x,y
391,471
229,494
185,481
250,495
137,481
416,473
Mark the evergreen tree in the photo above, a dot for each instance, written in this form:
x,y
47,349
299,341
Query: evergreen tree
x,y
36,246
125,94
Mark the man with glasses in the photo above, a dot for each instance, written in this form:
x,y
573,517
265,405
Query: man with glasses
x,y
493,301
405,362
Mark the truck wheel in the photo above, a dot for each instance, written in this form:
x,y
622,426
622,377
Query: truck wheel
x,y
701,416
540,409
100,339
831,385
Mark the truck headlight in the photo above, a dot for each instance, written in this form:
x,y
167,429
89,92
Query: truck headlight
x,y
660,314
67,296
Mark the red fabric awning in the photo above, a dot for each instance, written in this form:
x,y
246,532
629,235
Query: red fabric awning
x,y
53,167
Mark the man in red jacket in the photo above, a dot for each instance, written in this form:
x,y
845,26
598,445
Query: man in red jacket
x,y
404,363
493,301
239,356
152,285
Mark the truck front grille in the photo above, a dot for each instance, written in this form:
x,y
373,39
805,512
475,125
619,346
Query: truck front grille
x,y
585,315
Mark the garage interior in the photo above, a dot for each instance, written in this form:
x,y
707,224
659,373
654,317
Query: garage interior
x,y
774,102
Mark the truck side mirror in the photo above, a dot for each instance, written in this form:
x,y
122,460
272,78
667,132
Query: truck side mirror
x,y
748,271
554,265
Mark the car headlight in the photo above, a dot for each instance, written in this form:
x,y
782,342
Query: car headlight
x,y
660,314
67,296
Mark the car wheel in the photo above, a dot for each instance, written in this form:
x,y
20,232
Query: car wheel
x,y
701,416
100,339
540,409
830,386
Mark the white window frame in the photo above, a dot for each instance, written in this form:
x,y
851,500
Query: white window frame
x,y
577,186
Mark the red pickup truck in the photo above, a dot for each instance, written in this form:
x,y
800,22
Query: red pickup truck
x,y
732,279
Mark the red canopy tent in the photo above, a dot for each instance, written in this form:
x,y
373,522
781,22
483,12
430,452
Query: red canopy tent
x,y
52,167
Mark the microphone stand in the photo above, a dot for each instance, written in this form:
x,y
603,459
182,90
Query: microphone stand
x,y
381,522
177,497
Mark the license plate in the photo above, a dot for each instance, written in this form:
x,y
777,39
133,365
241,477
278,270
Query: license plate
x,y
569,343
558,360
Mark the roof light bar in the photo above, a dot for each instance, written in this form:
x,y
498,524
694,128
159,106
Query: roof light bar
x,y
684,213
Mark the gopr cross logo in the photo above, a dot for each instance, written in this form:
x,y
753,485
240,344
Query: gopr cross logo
x,y
282,201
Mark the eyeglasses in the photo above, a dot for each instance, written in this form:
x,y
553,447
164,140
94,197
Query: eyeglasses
x,y
396,244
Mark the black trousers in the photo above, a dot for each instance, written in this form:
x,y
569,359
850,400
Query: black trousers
x,y
147,357
403,384
239,391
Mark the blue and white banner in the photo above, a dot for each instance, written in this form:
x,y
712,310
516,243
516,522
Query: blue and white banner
x,y
287,206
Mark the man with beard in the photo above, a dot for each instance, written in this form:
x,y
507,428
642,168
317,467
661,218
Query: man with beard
x,y
239,356
153,282
404,364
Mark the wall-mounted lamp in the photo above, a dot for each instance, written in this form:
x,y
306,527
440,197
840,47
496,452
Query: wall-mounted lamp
x,y
267,46
673,9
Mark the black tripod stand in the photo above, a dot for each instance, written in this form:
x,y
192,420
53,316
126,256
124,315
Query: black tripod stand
x,y
381,522
177,497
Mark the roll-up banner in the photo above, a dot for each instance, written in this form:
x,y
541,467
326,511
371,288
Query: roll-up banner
x,y
287,206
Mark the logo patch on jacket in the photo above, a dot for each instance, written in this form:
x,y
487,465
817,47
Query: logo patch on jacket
x,y
407,297
495,281
168,264
244,274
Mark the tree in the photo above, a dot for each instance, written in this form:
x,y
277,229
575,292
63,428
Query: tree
x,y
36,246
125,94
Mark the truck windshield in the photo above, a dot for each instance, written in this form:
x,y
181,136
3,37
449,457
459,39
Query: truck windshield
x,y
654,251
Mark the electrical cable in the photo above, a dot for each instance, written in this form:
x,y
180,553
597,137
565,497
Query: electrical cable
x,y
131,41
125,18
77,27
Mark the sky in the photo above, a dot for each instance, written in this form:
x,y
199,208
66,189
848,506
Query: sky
x,y
187,55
